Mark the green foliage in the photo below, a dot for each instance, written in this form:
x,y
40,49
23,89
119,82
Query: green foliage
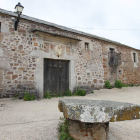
x,y
47,95
92,91
118,84
124,85
131,85
97,88
80,92
16,96
63,130
107,85
57,95
28,96
61,118
67,93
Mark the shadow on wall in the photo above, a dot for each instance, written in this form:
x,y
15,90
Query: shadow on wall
x,y
19,91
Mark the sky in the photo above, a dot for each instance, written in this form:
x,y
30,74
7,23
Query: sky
x,y
117,20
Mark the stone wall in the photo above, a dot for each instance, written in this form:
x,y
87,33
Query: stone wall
x,y
89,65
127,71
22,56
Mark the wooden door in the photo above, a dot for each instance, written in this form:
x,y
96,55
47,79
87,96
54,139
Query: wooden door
x,y
56,76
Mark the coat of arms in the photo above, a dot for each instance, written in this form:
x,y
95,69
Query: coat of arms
x,y
58,50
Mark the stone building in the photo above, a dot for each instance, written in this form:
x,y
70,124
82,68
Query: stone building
x,y
42,56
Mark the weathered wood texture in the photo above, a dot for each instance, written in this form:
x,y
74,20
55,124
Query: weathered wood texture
x,y
56,76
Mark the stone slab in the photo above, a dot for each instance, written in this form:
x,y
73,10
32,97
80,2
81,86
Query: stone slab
x,y
98,111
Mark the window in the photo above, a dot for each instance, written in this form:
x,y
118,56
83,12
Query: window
x,y
134,57
114,57
111,50
87,46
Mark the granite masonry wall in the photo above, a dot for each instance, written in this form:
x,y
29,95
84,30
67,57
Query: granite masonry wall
x,y
127,71
22,56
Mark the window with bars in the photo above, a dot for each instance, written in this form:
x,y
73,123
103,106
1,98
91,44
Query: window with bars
x,y
114,57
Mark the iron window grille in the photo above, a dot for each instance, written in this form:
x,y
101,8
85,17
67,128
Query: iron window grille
x,y
114,58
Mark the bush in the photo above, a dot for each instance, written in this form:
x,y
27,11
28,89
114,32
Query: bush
x,y
107,85
118,84
80,92
28,96
67,93
47,95
63,130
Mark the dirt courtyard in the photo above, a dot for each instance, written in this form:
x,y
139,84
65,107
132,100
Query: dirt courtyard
x,y
38,120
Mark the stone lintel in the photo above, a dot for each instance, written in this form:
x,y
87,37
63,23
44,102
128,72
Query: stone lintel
x,y
40,32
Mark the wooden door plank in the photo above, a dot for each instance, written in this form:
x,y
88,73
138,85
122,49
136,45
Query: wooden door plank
x,y
56,76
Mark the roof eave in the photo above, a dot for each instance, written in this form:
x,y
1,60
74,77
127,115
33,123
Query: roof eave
x,y
62,27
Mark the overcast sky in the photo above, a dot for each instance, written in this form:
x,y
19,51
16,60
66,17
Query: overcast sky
x,y
83,14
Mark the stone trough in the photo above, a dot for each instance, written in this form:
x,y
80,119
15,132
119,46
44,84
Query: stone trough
x,y
89,119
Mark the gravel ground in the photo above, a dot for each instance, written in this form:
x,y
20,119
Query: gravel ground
x,y
38,120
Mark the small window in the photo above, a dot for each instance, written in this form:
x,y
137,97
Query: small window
x,y
111,49
87,46
134,57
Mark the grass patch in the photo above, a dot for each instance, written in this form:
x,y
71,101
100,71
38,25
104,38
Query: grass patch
x,y
28,96
124,85
92,91
131,85
16,96
107,85
118,84
47,95
67,92
63,130
80,92
57,95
